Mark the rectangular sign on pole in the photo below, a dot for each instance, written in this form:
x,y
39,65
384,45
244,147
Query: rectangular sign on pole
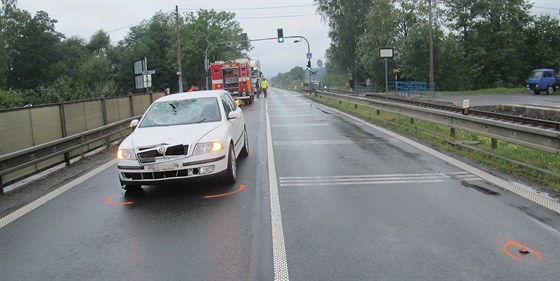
x,y
385,53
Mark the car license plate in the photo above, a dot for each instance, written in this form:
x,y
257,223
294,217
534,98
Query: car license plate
x,y
162,167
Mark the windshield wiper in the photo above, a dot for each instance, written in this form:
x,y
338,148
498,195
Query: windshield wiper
x,y
174,108
204,119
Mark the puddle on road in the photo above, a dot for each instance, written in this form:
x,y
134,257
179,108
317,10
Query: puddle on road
x,y
480,189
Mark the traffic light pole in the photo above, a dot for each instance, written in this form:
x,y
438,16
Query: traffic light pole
x,y
309,60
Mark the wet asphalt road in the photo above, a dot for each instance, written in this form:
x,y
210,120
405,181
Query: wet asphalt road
x,y
356,204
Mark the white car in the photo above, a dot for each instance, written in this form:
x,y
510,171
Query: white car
x,y
184,136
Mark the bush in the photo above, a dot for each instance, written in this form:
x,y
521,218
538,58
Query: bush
x,y
11,99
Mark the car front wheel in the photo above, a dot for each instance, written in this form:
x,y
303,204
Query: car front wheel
x,y
231,173
245,149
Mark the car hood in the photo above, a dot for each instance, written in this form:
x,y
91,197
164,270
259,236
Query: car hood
x,y
180,134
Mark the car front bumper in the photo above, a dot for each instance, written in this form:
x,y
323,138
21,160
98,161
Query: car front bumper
x,y
130,172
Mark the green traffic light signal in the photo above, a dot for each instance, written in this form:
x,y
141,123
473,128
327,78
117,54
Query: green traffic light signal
x,y
309,65
280,35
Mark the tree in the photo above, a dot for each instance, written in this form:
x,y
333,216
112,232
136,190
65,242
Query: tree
x,y
208,28
152,39
542,38
381,26
493,39
291,78
71,53
31,45
4,60
347,29
99,43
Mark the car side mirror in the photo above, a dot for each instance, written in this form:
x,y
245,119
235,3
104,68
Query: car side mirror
x,y
133,123
234,114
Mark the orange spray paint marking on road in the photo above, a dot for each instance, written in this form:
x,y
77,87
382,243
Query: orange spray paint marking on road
x,y
523,247
241,188
108,201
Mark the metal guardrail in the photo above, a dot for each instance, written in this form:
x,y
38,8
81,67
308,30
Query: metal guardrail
x,y
14,161
534,137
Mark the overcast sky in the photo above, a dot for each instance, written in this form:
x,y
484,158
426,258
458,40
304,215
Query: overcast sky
x,y
259,19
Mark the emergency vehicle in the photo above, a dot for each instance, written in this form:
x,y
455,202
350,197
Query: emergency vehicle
x,y
256,75
233,76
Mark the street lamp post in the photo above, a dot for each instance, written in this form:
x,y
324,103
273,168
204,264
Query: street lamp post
x,y
308,52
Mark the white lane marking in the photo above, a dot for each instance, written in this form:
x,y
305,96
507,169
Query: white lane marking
x,y
373,176
372,179
292,115
293,107
278,245
332,142
527,194
301,125
361,183
53,194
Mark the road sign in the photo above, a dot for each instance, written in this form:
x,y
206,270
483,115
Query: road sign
x,y
386,53
309,56
396,70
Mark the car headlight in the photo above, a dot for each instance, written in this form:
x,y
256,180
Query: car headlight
x,y
127,154
206,147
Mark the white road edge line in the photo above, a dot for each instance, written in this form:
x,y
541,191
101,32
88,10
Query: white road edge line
x,y
278,245
527,194
53,194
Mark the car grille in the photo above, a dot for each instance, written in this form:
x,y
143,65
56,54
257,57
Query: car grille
x,y
150,155
162,175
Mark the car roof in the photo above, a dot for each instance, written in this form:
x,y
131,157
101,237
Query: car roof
x,y
191,95
544,69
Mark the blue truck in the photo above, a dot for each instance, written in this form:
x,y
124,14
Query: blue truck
x,y
543,79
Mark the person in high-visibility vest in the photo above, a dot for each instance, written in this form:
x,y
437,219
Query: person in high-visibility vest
x,y
264,86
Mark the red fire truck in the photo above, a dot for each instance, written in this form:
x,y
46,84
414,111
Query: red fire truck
x,y
233,76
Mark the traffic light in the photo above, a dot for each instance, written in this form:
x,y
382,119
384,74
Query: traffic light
x,y
308,65
280,35
244,41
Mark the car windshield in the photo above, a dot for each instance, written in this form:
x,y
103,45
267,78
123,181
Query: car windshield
x,y
181,112
536,74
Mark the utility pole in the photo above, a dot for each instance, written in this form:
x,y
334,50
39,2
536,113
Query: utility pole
x,y
431,47
179,68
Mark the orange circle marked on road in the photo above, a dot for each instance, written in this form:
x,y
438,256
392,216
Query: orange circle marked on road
x,y
523,247
108,201
241,188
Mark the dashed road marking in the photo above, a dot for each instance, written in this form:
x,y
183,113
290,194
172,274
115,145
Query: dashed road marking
x,y
375,179
527,194
333,142
291,125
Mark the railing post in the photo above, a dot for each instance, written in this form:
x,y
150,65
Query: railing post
x,y
64,131
494,143
1,186
104,109
452,133
131,101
